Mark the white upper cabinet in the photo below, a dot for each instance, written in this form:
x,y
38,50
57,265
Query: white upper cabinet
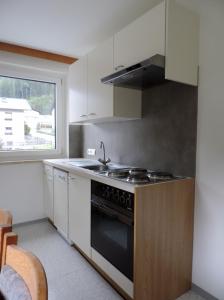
x,y
182,44
168,29
91,100
141,39
77,90
100,96
106,102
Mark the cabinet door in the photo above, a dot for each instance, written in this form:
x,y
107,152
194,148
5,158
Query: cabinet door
x,y
79,212
77,90
48,192
100,96
141,39
61,201
181,44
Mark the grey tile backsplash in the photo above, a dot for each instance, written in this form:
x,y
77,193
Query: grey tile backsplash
x,y
164,139
75,141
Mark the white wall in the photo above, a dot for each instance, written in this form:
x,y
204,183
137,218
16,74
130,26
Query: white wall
x,y
208,262
21,185
21,190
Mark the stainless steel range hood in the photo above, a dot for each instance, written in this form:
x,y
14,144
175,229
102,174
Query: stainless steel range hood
x,y
139,76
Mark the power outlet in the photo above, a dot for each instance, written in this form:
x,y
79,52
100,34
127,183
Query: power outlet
x,y
91,152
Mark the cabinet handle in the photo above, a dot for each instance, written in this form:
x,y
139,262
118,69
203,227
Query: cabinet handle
x,y
92,114
61,177
71,178
81,116
119,67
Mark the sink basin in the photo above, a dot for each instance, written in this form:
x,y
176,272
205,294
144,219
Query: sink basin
x,y
81,162
101,168
93,165
97,168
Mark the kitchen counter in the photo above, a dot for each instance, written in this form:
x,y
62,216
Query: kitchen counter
x,y
162,227
63,164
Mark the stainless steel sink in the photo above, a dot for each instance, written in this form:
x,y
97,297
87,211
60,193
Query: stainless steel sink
x,y
99,168
81,162
93,165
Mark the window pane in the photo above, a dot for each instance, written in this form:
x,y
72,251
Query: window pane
x,y
27,114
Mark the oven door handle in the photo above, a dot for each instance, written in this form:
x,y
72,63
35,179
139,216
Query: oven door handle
x,y
106,211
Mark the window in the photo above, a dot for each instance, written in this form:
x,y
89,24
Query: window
x,y
27,114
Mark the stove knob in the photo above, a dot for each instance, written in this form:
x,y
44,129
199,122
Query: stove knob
x,y
130,203
107,193
114,196
103,192
123,199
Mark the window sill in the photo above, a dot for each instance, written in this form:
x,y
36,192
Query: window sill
x,y
13,162
29,156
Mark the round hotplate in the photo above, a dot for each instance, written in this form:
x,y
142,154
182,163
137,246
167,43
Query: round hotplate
x,y
157,175
118,173
138,172
138,179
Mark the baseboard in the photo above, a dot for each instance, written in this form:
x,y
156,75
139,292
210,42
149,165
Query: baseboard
x,y
30,222
62,235
202,293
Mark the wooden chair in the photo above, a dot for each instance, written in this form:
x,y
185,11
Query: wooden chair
x,y
5,217
5,227
26,265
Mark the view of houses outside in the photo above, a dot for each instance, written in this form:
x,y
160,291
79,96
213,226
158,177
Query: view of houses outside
x,y
27,114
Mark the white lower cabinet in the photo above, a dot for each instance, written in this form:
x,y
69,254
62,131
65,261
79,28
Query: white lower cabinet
x,y
61,201
48,192
79,212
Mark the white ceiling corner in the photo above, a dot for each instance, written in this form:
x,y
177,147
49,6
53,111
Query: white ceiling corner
x,y
69,27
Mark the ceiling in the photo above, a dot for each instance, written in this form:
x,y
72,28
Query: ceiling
x,y
69,27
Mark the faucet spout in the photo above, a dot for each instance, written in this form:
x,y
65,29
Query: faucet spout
x,y
104,160
102,146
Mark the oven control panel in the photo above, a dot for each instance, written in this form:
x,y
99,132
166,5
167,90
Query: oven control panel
x,y
113,195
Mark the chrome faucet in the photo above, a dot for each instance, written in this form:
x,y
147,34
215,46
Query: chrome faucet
x,y
104,161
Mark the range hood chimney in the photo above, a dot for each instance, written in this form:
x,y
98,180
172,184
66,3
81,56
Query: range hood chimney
x,y
139,76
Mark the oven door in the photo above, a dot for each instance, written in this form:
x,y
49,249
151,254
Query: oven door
x,y
112,237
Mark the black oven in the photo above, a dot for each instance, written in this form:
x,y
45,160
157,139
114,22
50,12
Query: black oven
x,y
112,225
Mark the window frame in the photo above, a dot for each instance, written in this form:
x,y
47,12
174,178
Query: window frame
x,y
30,73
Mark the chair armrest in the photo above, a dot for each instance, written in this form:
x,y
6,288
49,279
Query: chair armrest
x,y
10,238
4,229
5,217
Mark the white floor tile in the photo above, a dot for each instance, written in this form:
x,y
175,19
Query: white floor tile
x,y
190,296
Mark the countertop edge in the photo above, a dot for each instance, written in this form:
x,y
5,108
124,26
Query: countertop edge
x,y
93,176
